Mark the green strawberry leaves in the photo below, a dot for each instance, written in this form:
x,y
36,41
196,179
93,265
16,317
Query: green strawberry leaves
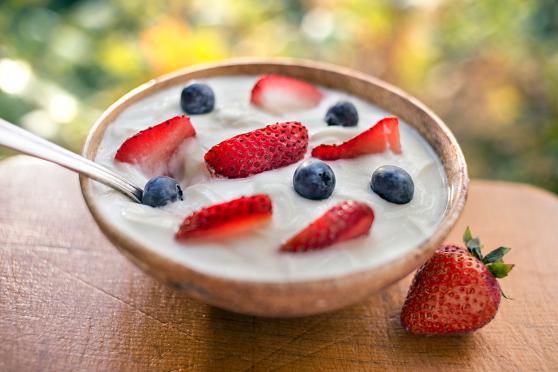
x,y
472,244
496,255
467,235
499,269
493,261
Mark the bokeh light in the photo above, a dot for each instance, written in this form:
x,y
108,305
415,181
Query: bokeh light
x,y
14,76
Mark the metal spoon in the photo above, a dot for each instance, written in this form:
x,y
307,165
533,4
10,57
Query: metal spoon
x,y
18,139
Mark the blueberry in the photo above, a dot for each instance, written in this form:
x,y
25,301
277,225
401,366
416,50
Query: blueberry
x,y
314,179
342,113
160,191
393,184
197,99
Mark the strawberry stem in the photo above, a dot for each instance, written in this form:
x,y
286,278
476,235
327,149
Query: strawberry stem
x,y
493,261
504,295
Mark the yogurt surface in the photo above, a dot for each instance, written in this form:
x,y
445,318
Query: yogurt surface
x,y
254,255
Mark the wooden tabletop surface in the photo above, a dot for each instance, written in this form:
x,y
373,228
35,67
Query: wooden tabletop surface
x,y
70,301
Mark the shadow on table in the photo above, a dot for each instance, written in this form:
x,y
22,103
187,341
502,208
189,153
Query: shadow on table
x,y
166,330
363,336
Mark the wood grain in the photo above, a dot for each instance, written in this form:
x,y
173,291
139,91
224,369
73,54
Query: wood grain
x,y
70,301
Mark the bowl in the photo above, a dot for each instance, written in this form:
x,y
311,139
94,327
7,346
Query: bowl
x,y
299,298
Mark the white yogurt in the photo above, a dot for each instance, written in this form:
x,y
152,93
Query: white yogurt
x,y
397,229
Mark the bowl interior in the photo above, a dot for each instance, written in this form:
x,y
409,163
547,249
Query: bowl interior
x,y
375,91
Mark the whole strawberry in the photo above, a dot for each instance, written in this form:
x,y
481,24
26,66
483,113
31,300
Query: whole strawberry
x,y
456,290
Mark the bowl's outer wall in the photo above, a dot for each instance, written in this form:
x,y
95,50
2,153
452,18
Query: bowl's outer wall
x,y
295,298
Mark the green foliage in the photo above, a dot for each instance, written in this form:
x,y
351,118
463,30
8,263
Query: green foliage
x,y
488,68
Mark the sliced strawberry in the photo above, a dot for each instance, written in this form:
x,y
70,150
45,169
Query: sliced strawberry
x,y
374,140
280,94
254,152
346,220
226,218
152,148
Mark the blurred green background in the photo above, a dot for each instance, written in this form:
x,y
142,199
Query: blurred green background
x,y
489,68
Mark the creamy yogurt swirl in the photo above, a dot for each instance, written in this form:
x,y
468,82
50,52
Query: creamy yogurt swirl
x,y
254,256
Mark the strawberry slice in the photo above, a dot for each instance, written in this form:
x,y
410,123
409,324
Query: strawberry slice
x,y
278,94
374,140
254,152
226,218
346,220
152,148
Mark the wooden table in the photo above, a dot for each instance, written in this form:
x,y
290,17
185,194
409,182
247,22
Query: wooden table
x,y
70,301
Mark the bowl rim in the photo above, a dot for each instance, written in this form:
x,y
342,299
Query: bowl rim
x,y
391,271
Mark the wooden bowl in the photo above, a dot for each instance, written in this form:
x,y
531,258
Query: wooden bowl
x,y
304,297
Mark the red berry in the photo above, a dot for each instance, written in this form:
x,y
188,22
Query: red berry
x,y
152,148
254,152
227,218
374,140
346,220
279,94
455,291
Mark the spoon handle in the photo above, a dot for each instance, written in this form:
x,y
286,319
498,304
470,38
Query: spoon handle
x,y
18,139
